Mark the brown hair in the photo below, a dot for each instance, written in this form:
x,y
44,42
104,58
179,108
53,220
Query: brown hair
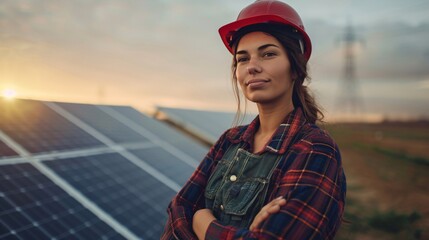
x,y
290,40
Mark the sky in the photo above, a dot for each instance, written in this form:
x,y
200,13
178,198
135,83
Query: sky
x,y
147,53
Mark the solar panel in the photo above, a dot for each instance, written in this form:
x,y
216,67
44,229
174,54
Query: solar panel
x,y
102,122
33,207
88,171
161,160
39,129
165,132
208,125
133,197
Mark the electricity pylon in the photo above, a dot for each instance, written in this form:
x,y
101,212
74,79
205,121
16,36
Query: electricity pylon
x,y
349,101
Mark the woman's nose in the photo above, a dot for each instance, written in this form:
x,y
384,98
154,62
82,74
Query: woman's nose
x,y
253,68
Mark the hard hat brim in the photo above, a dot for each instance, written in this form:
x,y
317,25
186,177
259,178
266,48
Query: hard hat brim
x,y
227,31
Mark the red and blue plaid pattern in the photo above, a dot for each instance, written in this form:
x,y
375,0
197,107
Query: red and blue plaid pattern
x,y
309,176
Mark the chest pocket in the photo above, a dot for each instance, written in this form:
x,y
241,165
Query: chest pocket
x,y
238,197
238,186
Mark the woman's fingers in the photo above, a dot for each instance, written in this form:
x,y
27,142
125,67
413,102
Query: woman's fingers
x,y
275,207
271,208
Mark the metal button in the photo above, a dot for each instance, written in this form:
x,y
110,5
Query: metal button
x,y
221,207
233,178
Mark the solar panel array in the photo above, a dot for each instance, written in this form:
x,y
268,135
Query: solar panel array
x,y
83,171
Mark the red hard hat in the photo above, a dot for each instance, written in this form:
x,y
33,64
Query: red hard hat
x,y
266,11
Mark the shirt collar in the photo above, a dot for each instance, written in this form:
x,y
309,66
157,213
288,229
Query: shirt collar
x,y
281,138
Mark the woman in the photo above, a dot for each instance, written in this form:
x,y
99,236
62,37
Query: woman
x,y
280,177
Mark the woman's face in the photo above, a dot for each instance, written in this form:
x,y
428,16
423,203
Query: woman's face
x,y
263,69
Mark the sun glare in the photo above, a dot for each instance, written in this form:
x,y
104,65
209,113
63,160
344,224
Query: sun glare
x,y
9,93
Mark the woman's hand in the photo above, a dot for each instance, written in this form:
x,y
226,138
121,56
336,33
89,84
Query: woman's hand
x,y
271,208
201,221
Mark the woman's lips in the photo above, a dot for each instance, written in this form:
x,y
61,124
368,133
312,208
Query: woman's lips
x,y
255,83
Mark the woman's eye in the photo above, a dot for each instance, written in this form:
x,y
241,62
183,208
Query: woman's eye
x,y
269,54
242,59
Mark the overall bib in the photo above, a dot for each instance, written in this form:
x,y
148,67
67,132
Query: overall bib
x,y
237,188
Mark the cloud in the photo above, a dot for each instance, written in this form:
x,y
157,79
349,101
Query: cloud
x,y
171,49
383,51
424,84
396,51
140,47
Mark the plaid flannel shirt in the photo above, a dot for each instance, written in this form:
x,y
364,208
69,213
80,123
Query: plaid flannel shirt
x,y
309,176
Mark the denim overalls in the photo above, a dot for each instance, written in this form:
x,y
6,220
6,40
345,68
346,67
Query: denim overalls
x,y
238,186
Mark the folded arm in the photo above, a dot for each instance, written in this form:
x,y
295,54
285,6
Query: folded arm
x,y
314,201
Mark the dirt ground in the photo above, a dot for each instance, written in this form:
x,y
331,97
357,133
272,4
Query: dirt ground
x,y
387,170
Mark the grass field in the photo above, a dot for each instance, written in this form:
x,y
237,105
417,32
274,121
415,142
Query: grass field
x,y
387,169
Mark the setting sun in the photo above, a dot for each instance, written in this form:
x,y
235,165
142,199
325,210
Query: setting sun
x,y
9,93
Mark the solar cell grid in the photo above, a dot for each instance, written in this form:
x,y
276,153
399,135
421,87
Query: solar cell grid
x,y
38,129
166,163
33,207
103,122
130,195
6,151
165,132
